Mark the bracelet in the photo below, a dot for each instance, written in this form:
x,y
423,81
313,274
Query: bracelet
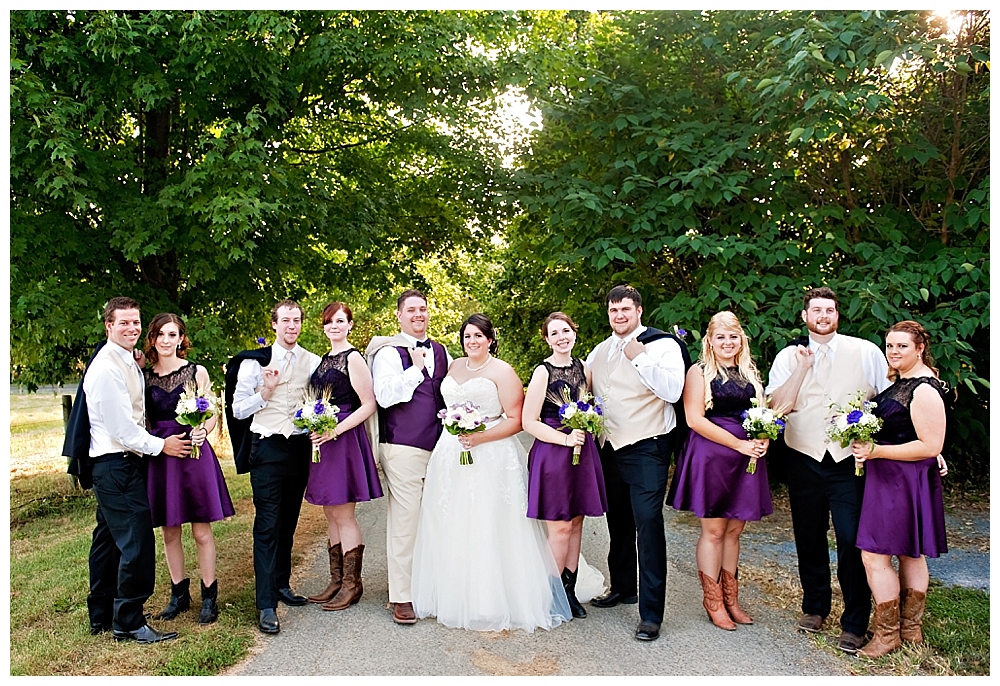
x,y
566,441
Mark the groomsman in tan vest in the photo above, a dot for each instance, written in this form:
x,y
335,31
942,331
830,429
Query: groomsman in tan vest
x,y
804,381
279,455
639,374
123,550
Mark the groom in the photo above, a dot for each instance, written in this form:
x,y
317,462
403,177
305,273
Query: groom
x,y
408,369
639,373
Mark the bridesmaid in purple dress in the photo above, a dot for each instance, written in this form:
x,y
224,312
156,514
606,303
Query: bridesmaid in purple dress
x,y
902,513
559,492
182,489
711,477
346,473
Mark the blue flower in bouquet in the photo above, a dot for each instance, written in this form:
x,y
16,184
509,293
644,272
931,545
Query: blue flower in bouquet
x,y
261,340
202,404
780,423
298,413
855,417
318,407
582,406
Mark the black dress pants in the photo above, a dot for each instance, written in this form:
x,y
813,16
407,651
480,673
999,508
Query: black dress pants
x,y
635,480
818,491
279,470
123,548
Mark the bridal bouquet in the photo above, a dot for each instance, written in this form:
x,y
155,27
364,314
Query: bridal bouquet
x,y
463,418
194,408
318,416
585,414
760,423
854,422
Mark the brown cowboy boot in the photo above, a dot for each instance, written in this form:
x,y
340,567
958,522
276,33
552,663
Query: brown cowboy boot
x,y
731,598
886,638
350,591
336,575
911,615
713,603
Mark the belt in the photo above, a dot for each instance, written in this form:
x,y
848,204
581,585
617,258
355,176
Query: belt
x,y
117,456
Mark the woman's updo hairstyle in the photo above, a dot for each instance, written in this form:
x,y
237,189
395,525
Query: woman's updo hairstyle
x,y
918,334
483,323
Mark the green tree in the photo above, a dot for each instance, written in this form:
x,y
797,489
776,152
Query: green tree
x,y
731,160
210,162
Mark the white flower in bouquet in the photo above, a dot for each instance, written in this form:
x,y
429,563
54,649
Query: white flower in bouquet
x,y
854,422
194,408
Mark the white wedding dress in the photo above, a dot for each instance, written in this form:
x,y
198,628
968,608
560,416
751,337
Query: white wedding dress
x,y
479,563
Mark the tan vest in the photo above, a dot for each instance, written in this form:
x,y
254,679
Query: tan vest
x,y
133,382
806,428
632,412
289,394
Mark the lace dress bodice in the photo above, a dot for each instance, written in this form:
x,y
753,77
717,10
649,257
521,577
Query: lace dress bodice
x,y
480,390
572,377
163,392
732,397
332,380
893,406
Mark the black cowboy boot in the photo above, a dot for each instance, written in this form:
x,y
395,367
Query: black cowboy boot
x,y
180,600
569,584
209,606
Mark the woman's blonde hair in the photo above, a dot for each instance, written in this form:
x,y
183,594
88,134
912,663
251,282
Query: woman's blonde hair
x,y
710,366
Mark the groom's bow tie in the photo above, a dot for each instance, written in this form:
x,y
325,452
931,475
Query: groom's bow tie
x,y
424,344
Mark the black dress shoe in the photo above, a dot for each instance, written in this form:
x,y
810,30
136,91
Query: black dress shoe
x,y
647,631
268,622
145,634
96,629
614,598
288,597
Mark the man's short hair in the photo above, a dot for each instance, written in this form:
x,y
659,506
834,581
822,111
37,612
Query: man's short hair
x,y
411,293
118,303
290,304
821,292
619,293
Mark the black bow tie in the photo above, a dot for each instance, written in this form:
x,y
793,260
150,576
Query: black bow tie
x,y
424,344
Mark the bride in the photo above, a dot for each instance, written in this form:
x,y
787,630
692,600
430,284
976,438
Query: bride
x,y
479,563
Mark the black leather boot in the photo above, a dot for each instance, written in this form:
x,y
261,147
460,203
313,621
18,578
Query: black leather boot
x,y
209,606
180,600
569,583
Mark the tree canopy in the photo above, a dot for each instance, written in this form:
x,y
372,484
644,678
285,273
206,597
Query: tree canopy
x,y
211,162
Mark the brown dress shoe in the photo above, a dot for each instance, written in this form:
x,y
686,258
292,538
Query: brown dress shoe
x,y
810,623
849,642
402,613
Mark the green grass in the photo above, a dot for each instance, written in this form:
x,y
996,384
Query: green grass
x,y
957,624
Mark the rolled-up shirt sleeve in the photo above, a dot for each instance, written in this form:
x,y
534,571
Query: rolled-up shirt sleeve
x,y
661,369
392,384
246,397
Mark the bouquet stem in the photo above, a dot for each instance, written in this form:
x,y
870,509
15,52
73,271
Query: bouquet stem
x,y
752,466
576,454
465,457
315,454
859,468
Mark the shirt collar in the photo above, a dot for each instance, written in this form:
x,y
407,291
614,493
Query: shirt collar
x,y
638,330
284,353
121,352
814,346
412,339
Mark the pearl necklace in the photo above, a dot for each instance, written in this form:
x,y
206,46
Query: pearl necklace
x,y
489,358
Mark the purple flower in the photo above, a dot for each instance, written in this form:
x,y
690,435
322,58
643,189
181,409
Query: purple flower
x,y
745,414
202,404
261,340
781,424
855,417
597,409
318,407
298,413
442,414
582,406
681,333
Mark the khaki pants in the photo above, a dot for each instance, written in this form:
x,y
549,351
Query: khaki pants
x,y
404,468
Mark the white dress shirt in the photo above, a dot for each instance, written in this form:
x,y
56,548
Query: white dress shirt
x,y
112,428
873,365
393,384
660,367
250,380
